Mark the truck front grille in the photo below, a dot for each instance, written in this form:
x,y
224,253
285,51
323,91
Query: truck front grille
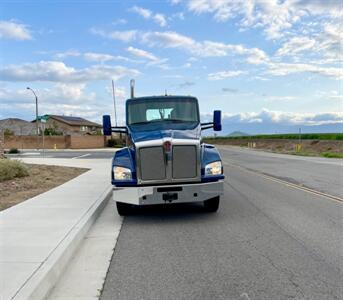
x,y
152,163
184,161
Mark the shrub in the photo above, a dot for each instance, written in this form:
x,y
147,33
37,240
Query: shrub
x,y
13,151
332,155
111,143
116,143
10,169
8,132
52,131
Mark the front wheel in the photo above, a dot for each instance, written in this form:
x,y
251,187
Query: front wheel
x,y
212,205
123,209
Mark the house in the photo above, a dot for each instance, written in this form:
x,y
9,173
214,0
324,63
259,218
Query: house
x,y
69,125
17,126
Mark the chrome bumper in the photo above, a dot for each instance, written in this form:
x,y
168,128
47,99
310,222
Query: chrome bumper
x,y
147,195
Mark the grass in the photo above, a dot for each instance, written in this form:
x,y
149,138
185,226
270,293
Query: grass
x,y
10,169
41,179
332,155
304,136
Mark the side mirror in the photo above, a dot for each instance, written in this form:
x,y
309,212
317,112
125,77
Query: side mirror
x,y
106,125
217,120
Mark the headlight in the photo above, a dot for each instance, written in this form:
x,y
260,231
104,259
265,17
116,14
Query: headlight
x,y
121,173
214,168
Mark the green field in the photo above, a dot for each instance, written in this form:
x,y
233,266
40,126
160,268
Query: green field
x,y
304,136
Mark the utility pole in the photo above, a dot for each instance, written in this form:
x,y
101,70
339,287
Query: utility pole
x,y
114,103
37,130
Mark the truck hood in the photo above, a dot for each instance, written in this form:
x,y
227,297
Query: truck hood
x,y
142,136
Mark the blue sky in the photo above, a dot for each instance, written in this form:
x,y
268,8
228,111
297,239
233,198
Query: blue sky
x,y
260,62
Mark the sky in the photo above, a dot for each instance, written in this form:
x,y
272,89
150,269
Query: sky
x,y
273,65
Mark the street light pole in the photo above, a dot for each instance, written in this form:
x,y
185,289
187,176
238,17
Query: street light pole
x,y
37,131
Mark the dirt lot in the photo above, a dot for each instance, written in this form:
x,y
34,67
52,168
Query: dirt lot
x,y
324,148
41,179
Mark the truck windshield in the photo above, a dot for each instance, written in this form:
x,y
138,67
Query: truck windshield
x,y
159,110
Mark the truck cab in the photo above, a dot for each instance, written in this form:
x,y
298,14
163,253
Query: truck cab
x,y
165,160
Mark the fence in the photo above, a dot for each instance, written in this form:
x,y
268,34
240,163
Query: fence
x,y
55,142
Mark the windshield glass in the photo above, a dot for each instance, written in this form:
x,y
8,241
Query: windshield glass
x,y
162,111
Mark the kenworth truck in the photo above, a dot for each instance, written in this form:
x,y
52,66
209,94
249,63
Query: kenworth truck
x,y
165,160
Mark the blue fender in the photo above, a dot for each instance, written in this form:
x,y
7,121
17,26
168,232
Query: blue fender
x,y
209,154
125,158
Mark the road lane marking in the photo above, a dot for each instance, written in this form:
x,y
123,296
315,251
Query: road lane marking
x,y
275,155
289,184
84,155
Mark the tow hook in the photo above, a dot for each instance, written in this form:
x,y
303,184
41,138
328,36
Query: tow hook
x,y
169,197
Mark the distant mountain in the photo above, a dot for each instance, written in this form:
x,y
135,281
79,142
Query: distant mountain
x,y
238,133
273,128
18,126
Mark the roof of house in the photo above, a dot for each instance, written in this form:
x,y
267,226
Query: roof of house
x,y
74,121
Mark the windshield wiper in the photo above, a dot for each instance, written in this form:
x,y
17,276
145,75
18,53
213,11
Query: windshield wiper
x,y
176,120
139,123
159,120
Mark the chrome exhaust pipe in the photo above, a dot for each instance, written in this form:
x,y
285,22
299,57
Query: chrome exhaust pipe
x,y
132,88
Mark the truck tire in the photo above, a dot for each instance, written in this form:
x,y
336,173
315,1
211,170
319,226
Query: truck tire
x,y
123,209
212,205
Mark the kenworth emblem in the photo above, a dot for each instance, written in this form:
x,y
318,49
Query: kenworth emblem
x,y
167,146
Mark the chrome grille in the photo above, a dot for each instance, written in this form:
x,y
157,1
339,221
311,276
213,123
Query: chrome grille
x,y
152,163
184,161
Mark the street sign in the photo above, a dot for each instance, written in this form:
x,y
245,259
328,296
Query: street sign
x,y
43,119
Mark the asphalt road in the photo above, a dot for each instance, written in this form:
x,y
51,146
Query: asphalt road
x,y
271,239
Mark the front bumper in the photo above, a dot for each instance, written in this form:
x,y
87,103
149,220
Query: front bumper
x,y
183,193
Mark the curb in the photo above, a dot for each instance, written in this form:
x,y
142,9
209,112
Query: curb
x,y
39,285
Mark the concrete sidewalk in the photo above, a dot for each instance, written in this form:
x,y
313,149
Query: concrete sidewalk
x,y
38,236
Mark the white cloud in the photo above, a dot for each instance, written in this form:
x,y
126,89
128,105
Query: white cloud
x,y
274,16
330,95
60,98
284,118
142,53
256,56
281,98
93,56
296,45
55,71
224,74
179,15
145,13
282,69
124,36
14,31
174,2
325,46
69,53
119,22
59,92
170,39
98,57
158,18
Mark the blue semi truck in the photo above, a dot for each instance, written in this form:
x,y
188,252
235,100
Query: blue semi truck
x,y
165,160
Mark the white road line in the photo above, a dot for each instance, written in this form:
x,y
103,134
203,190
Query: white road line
x,y
289,184
84,155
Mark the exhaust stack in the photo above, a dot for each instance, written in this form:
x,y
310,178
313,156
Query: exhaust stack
x,y
132,88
